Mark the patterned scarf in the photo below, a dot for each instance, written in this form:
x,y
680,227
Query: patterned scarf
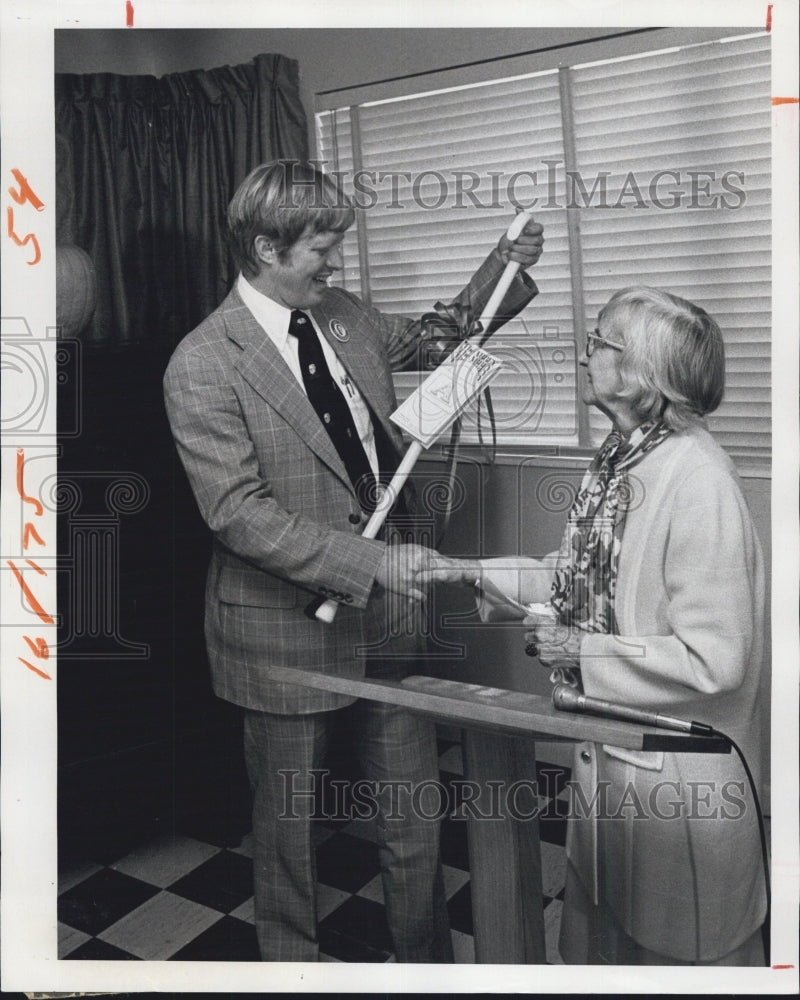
x,y
585,582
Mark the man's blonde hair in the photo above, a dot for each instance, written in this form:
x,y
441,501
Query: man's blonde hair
x,y
281,200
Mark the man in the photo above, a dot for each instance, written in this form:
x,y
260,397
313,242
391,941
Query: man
x,y
283,464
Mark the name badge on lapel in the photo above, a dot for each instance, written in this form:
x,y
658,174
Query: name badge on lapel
x,y
339,330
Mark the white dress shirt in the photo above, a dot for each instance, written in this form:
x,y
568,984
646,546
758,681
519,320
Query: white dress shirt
x,y
273,319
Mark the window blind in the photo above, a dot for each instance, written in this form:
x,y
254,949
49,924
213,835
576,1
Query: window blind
x,y
456,165
337,150
690,161
659,163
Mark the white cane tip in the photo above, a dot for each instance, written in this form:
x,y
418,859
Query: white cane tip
x,y
327,612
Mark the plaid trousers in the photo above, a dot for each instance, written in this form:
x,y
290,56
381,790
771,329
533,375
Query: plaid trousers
x,y
392,746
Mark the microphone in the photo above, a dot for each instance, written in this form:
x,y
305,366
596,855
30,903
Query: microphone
x,y
567,699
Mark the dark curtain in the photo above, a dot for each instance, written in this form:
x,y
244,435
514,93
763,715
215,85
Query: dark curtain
x,y
145,169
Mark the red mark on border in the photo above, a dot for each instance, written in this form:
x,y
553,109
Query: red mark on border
x,y
37,504
782,966
784,100
26,590
38,646
40,650
769,17
26,192
36,670
20,240
129,14
29,532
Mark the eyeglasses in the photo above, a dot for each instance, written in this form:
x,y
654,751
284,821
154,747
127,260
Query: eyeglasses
x,y
593,339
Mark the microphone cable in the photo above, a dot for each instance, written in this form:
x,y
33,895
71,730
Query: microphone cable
x,y
766,926
454,325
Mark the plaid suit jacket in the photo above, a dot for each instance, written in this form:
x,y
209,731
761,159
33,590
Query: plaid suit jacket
x,y
270,485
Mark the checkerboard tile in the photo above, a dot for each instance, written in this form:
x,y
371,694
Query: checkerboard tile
x,y
222,883
100,901
160,927
69,940
164,860
227,940
181,899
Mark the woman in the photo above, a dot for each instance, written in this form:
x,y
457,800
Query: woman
x,y
658,593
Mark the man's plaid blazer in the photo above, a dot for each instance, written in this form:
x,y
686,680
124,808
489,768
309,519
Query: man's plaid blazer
x,y
285,521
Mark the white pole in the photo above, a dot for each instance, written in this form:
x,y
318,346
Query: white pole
x,y
326,612
508,275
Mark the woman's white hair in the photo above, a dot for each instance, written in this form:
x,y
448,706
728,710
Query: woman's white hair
x,y
673,363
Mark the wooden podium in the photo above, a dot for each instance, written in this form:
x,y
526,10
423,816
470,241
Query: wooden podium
x,y
500,728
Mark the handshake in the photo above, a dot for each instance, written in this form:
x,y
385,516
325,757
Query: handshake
x,y
410,570
509,589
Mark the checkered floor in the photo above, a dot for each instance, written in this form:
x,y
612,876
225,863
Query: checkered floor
x,y
181,899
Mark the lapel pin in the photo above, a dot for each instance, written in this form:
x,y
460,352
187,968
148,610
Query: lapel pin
x,y
339,330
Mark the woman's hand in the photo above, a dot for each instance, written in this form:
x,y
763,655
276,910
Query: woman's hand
x,y
554,644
